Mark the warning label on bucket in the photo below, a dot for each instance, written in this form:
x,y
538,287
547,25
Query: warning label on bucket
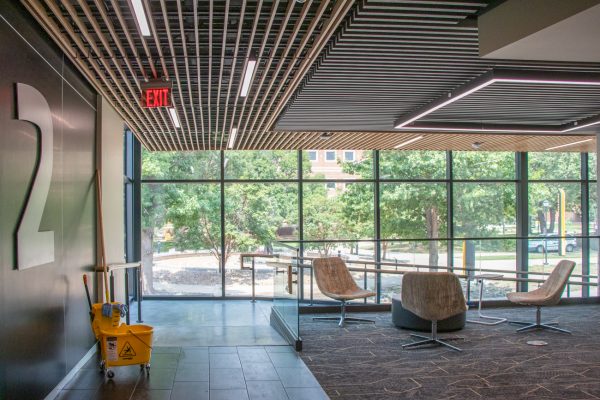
x,y
127,352
111,348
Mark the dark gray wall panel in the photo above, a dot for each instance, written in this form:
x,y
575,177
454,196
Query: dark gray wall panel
x,y
45,326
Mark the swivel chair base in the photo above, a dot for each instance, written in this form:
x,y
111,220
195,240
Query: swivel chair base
x,y
429,340
538,324
342,318
433,339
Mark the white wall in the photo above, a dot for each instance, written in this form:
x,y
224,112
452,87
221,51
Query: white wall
x,y
110,162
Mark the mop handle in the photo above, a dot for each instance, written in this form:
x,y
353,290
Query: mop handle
x,y
101,233
87,290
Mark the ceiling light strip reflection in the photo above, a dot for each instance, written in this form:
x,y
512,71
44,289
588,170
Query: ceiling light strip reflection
x,y
568,144
409,141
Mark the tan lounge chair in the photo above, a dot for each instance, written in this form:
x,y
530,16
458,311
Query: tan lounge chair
x,y
548,294
433,296
335,281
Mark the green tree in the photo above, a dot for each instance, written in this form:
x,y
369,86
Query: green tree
x,y
408,210
323,218
544,197
253,212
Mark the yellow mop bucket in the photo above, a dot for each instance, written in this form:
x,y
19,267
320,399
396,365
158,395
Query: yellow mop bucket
x,y
101,323
126,345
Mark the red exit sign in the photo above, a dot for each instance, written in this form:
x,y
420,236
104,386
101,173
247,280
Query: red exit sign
x,y
154,96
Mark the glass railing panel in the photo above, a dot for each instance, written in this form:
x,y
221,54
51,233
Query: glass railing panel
x,y
402,256
496,256
594,259
285,288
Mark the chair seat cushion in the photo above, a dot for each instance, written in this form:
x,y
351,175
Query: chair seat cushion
x,y
403,318
528,298
350,295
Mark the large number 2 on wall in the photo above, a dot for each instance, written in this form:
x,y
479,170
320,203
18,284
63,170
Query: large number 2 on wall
x,y
35,247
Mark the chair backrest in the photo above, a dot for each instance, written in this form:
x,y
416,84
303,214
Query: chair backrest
x,y
433,295
556,282
332,276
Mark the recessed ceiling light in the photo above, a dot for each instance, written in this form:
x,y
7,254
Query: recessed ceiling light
x,y
248,73
409,141
140,16
232,136
568,144
577,126
476,145
326,136
174,117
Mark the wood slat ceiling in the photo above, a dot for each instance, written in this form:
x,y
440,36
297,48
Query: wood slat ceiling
x,y
202,46
431,141
350,67
394,57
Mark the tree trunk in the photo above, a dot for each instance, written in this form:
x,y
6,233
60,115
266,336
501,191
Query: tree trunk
x,y
148,259
433,228
384,246
552,218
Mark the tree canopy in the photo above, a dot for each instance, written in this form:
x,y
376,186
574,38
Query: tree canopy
x,y
411,204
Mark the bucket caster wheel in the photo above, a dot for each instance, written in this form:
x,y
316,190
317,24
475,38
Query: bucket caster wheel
x,y
147,369
102,367
110,374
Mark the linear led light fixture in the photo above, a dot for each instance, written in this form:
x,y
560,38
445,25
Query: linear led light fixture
x,y
140,16
232,137
248,74
409,141
483,128
584,125
503,76
174,117
568,144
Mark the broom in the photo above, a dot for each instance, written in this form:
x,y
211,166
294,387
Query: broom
x,y
106,307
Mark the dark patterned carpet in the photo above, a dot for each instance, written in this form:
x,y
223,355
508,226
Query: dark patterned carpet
x,y
367,362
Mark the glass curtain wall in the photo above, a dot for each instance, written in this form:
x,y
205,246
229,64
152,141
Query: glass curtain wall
x,y
205,214
556,214
485,218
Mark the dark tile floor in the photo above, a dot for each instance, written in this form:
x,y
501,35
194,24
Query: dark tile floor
x,y
209,322
215,373
205,349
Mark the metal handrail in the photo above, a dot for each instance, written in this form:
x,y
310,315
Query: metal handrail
x,y
518,272
365,270
467,276
125,267
440,239
302,265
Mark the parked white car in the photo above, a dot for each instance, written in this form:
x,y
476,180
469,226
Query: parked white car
x,y
550,243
